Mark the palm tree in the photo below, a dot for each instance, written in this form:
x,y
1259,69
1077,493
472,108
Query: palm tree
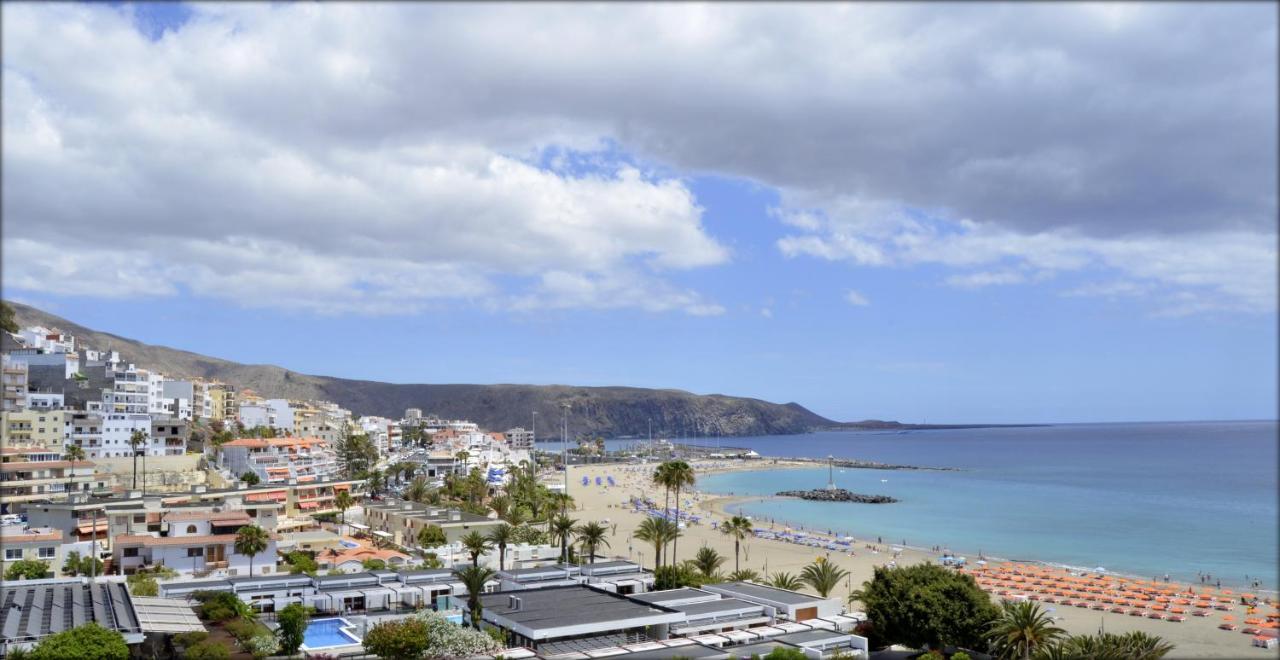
x,y
500,537
824,576
138,439
417,489
708,561
562,527
744,575
739,528
474,579
343,501
680,475
658,532
251,541
476,545
785,581
462,457
74,453
1021,628
1105,646
591,536
501,505
1141,646
377,482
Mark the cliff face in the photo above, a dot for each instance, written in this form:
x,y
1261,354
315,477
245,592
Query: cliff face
x,y
605,411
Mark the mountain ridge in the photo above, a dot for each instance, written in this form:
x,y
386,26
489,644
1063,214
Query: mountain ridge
x,y
601,410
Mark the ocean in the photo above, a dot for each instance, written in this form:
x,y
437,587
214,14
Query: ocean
x,y
1143,499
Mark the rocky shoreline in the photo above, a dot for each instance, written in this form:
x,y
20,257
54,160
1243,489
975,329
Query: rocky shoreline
x,y
837,495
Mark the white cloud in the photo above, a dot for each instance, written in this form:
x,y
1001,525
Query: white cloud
x,y
855,298
397,139
195,195
986,278
1226,270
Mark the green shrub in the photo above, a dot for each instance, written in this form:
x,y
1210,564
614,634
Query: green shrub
x,y
206,651
222,606
27,569
88,642
189,639
960,655
242,629
301,562
143,584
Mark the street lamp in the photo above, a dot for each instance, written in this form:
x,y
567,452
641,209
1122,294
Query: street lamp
x,y
564,442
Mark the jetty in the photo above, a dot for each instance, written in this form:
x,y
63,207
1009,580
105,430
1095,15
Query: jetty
x,y
837,495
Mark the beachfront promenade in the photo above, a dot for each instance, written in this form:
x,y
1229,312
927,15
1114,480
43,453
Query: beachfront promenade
x,y
779,548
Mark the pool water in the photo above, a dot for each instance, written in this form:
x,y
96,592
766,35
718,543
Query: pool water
x,y
323,633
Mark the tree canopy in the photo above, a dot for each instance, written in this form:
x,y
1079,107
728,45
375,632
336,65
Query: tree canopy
x,y
87,642
927,606
293,624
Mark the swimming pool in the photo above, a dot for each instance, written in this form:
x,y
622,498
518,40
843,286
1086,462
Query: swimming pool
x,y
324,633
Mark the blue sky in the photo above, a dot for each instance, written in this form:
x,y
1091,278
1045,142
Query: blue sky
x,y
275,185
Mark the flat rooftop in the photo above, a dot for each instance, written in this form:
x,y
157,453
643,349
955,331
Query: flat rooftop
x,y
691,651
713,607
674,595
751,591
811,636
545,610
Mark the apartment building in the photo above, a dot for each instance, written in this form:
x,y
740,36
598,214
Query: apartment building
x,y
31,543
170,435
29,474
34,428
519,438
13,378
279,460
192,542
403,520
222,402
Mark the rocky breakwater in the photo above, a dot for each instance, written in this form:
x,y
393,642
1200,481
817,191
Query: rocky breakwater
x,y
837,495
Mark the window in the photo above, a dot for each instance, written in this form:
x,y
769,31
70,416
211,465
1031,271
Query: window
x,y
131,552
47,553
140,518
195,552
191,529
11,554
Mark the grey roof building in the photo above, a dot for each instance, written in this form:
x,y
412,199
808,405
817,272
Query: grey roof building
x,y
575,618
31,610
789,604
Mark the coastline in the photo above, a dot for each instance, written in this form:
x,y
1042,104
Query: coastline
x,y
1196,637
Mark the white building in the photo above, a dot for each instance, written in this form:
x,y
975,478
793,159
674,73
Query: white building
x,y
279,460
130,391
45,400
155,393
256,413
283,413
48,340
193,542
117,433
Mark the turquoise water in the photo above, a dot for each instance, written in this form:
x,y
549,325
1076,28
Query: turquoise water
x,y
1143,499
322,633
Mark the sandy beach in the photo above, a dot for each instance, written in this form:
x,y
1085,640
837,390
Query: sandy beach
x,y
1195,638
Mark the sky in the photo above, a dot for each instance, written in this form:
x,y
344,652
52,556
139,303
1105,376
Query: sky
x,y
1045,212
